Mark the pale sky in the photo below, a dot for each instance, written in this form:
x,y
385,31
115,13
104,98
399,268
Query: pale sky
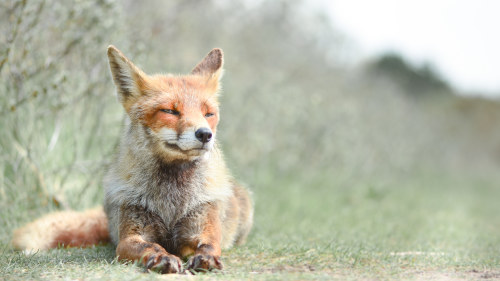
x,y
461,38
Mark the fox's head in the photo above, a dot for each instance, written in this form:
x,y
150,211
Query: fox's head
x,y
178,115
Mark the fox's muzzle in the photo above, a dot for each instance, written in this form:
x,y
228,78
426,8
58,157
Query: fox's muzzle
x,y
204,135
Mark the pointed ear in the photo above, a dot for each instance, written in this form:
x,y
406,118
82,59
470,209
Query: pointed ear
x,y
211,66
127,77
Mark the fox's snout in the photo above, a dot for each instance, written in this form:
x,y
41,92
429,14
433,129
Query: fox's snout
x,y
191,140
204,135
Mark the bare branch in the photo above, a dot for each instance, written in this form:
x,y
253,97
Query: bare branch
x,y
13,36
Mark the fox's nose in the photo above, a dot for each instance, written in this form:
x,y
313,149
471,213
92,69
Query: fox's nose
x,y
203,134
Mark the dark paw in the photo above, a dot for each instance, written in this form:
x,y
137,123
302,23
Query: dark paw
x,y
204,263
162,263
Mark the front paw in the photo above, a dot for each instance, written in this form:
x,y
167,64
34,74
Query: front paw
x,y
163,263
204,263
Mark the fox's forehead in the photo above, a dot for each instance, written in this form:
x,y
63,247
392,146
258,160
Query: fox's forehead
x,y
178,91
191,84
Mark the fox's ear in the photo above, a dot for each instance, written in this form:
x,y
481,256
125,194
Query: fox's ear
x,y
211,66
127,77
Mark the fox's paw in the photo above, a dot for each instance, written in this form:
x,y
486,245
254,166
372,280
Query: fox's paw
x,y
163,263
204,263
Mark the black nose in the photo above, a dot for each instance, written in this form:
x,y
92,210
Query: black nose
x,y
203,134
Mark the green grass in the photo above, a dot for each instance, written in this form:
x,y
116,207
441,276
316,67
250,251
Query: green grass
x,y
318,226
290,121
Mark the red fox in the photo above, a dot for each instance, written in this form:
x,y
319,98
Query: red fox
x,y
168,193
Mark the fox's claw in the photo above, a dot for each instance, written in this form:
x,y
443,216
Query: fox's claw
x,y
162,263
204,263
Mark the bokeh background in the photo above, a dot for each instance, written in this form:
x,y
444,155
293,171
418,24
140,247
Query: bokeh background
x,y
316,132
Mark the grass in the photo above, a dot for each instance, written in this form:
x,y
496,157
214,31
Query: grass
x,y
281,102
318,226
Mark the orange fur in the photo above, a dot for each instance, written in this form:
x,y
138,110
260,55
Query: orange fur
x,y
168,193
147,110
67,228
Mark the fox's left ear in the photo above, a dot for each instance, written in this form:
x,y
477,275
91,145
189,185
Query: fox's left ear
x,y
211,67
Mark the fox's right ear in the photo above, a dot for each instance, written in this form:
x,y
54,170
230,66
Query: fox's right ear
x,y
211,68
128,78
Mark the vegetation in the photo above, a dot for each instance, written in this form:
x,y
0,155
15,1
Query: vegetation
x,y
419,81
353,177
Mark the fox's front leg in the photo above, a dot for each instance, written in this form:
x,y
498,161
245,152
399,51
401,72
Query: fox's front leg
x,y
140,233
206,244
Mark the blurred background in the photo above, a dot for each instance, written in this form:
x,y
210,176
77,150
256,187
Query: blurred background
x,y
319,97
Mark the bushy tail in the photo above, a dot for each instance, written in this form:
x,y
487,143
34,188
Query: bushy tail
x,y
66,228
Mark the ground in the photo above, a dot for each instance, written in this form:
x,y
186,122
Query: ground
x,y
419,227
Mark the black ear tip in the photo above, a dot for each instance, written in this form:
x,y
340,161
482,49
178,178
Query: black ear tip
x,y
210,64
218,53
217,56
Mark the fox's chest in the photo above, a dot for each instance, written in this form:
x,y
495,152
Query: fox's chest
x,y
173,202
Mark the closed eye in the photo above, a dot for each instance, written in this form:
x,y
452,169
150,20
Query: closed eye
x,y
209,115
170,111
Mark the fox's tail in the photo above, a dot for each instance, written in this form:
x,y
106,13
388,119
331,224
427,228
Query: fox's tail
x,y
66,228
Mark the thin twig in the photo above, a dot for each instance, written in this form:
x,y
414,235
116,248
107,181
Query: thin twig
x,y
13,36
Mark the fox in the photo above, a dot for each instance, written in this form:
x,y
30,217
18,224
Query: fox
x,y
169,196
